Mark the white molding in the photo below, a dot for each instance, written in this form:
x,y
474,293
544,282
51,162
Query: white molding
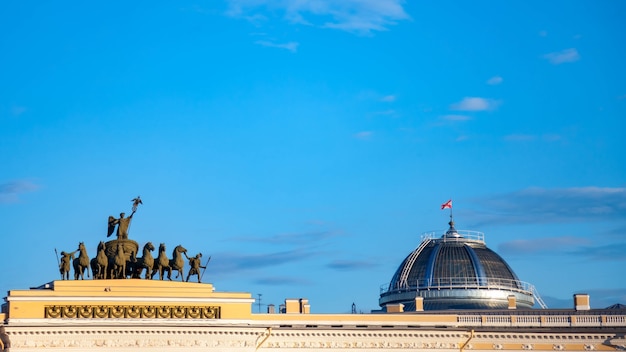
x,y
147,300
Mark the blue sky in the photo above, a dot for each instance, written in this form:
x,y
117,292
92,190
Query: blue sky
x,y
306,145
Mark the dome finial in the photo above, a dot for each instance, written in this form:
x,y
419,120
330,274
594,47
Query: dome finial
x,y
452,232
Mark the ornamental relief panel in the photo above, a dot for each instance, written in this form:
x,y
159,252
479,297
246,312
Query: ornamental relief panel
x,y
120,311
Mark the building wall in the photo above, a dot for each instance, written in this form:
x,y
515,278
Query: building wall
x,y
62,318
249,336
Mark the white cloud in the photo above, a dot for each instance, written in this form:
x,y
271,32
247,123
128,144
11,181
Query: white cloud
x,y
495,80
359,16
388,98
563,56
291,46
552,137
384,113
364,135
456,117
554,205
10,191
520,137
18,110
569,245
529,137
474,104
547,244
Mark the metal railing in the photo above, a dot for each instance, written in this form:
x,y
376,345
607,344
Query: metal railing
x,y
464,235
410,261
443,283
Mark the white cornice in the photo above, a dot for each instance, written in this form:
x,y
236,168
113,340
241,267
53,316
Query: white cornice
x,y
146,300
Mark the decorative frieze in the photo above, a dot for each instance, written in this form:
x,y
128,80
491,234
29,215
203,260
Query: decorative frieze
x,y
131,311
214,336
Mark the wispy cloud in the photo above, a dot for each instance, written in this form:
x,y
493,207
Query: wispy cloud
x,y
364,135
531,137
495,80
237,262
281,281
18,110
291,46
389,112
599,298
567,245
291,238
608,252
351,264
552,137
357,16
541,245
520,137
563,56
474,104
10,191
541,205
604,297
388,98
456,117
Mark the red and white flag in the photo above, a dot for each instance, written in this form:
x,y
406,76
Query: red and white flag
x,y
447,205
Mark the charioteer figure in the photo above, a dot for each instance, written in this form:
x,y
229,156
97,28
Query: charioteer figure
x,y
123,223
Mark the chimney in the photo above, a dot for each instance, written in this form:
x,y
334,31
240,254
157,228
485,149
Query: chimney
x,y
395,308
512,301
297,306
305,307
581,301
419,304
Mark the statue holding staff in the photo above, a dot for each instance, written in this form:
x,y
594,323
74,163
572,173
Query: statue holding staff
x,y
123,223
195,264
64,265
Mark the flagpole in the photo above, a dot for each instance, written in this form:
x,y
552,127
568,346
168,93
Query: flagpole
x,y
448,204
450,212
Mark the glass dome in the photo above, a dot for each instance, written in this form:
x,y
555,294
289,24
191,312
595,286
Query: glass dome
x,y
456,271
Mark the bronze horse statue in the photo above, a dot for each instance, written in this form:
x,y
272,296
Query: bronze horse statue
x,y
81,264
131,266
100,263
145,262
163,263
119,263
178,263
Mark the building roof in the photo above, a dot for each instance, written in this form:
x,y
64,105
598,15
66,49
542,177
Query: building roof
x,y
471,275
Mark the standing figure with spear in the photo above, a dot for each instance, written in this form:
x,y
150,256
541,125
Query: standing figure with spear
x,y
65,263
196,264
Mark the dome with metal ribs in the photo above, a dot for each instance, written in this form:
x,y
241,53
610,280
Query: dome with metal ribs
x,y
456,271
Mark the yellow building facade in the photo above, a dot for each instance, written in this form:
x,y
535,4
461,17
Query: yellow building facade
x,y
154,315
